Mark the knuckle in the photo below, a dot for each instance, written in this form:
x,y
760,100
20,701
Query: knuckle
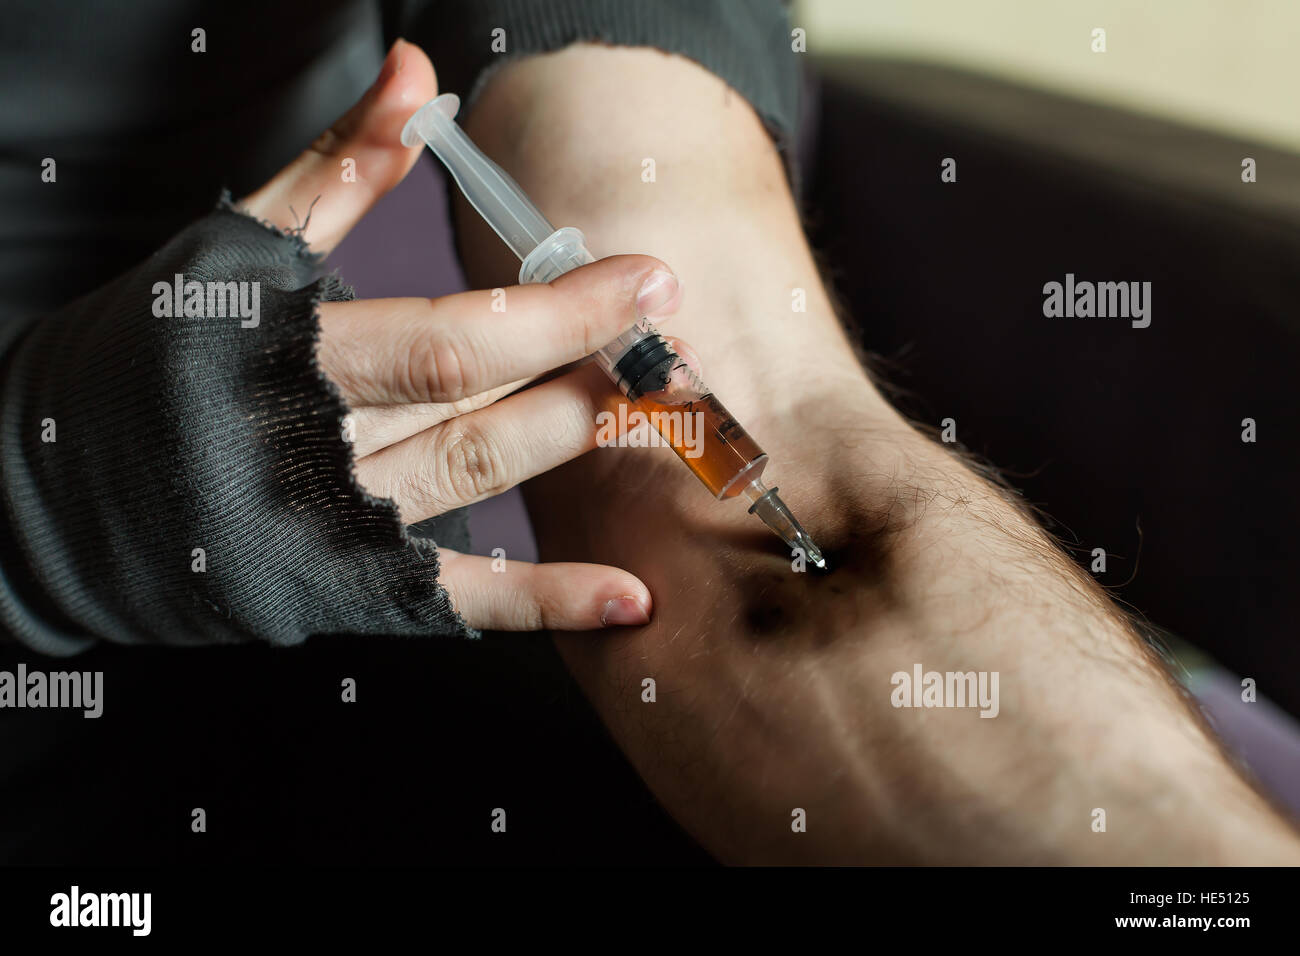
x,y
531,613
473,463
440,371
327,143
330,143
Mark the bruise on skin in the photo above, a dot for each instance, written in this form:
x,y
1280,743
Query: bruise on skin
x,y
859,554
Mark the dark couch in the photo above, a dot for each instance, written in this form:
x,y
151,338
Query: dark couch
x,y
1129,438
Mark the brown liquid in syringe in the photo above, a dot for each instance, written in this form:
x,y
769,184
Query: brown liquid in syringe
x,y
725,447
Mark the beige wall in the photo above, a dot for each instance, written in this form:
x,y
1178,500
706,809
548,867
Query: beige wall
x,y
1229,64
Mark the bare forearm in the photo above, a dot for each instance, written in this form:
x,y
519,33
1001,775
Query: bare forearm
x,y
773,688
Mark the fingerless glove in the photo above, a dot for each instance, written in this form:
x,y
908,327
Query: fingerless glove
x,y
185,478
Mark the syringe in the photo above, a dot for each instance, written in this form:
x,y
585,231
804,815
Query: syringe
x,y
640,361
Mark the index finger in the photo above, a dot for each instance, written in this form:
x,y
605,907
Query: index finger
x,y
393,351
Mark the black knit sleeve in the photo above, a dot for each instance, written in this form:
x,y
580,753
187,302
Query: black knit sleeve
x,y
745,42
184,479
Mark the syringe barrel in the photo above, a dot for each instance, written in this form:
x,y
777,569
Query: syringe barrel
x,y
644,367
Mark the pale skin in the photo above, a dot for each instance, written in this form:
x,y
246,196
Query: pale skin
x,y
773,687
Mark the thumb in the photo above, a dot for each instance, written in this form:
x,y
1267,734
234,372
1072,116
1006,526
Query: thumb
x,y
321,180
519,596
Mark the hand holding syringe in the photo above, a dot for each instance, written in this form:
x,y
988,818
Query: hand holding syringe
x,y
640,361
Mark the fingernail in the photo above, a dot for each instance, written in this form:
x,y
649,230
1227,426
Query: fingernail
x,y
392,63
658,290
625,610
687,354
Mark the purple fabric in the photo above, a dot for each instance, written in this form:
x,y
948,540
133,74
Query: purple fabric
x,y
1265,737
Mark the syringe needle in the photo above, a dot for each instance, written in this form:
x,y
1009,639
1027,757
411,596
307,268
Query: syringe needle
x,y
776,515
